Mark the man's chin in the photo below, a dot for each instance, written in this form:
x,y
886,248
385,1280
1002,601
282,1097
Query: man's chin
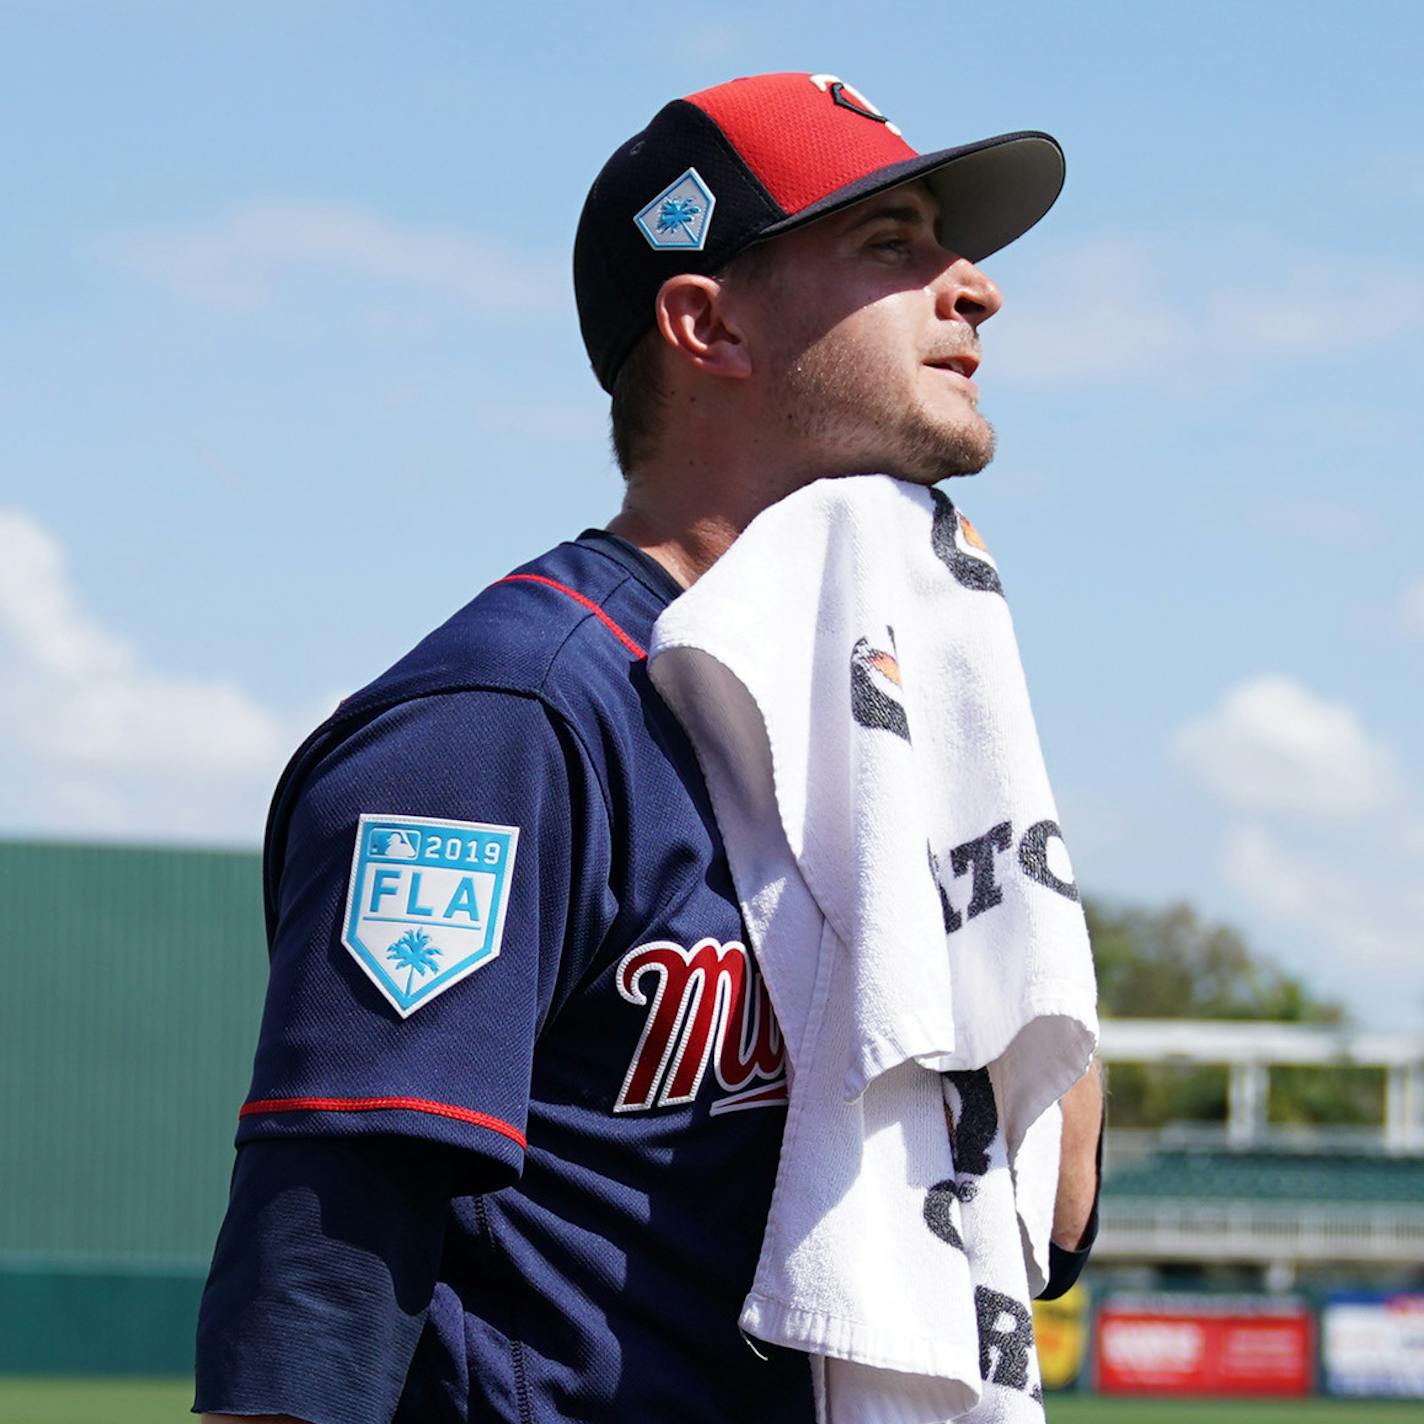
x,y
968,466
937,453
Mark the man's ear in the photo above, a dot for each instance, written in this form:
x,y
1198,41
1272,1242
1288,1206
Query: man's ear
x,y
693,317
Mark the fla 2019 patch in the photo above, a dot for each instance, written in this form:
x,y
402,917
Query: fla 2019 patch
x,y
426,903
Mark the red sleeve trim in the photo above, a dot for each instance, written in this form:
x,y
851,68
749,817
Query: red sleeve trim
x,y
479,1119
633,647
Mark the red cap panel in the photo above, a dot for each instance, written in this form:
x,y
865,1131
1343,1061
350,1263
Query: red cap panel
x,y
802,138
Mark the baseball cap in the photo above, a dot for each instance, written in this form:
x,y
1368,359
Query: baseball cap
x,y
747,160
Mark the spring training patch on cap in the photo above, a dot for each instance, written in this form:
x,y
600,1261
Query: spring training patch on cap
x,y
426,903
679,216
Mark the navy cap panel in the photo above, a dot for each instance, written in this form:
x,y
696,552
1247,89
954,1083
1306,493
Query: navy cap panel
x,y
617,272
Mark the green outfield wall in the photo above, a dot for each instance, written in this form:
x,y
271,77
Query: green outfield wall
x,y
132,988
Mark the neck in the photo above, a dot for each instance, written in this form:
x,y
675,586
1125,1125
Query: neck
x,y
687,512
685,550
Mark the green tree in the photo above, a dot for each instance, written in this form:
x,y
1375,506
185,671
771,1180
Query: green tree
x,y
1169,964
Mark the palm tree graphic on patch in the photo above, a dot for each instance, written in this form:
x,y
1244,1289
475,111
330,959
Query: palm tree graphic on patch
x,y
415,952
678,213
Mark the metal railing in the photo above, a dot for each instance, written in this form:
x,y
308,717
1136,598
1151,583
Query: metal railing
x,y
1131,1144
1165,1229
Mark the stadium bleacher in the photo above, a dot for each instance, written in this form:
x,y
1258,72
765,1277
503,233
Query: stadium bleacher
x,y
1270,1176
1253,1193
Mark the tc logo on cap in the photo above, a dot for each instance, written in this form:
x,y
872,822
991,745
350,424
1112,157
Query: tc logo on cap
x,y
679,215
849,97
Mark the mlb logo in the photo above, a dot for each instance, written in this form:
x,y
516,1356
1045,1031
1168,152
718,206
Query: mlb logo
x,y
679,216
426,903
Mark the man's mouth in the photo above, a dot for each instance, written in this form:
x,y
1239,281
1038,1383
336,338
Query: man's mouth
x,y
962,365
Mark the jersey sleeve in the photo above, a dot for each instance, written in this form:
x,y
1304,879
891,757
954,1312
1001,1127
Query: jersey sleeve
x,y
438,867
322,1279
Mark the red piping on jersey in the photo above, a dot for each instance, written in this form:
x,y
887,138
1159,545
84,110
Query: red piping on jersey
x,y
633,647
479,1119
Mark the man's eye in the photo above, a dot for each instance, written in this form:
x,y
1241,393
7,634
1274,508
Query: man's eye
x,y
891,244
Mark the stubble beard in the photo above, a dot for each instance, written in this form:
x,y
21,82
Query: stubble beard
x,y
854,424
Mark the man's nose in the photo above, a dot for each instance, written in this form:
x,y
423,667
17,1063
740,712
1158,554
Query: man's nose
x,y
963,292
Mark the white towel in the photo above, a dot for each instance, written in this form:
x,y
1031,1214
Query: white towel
x,y
849,677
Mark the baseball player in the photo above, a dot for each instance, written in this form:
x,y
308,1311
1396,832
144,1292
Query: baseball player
x,y
519,1091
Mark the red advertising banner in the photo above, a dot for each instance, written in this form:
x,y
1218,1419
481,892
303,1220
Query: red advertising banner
x,y
1204,1345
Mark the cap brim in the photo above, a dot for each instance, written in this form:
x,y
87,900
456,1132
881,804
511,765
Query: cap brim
x,y
989,192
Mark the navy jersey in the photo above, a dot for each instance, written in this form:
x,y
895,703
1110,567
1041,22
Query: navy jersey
x,y
519,1093
508,985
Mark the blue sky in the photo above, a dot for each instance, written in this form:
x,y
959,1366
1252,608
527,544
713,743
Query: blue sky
x,y
292,370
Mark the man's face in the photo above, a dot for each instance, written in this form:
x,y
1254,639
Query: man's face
x,y
866,333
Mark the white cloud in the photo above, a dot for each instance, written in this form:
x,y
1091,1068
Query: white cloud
x,y
1086,316
238,261
1328,521
1272,880
1322,838
1128,307
712,42
94,741
38,609
1410,608
1271,745
1396,175
1352,907
1288,316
